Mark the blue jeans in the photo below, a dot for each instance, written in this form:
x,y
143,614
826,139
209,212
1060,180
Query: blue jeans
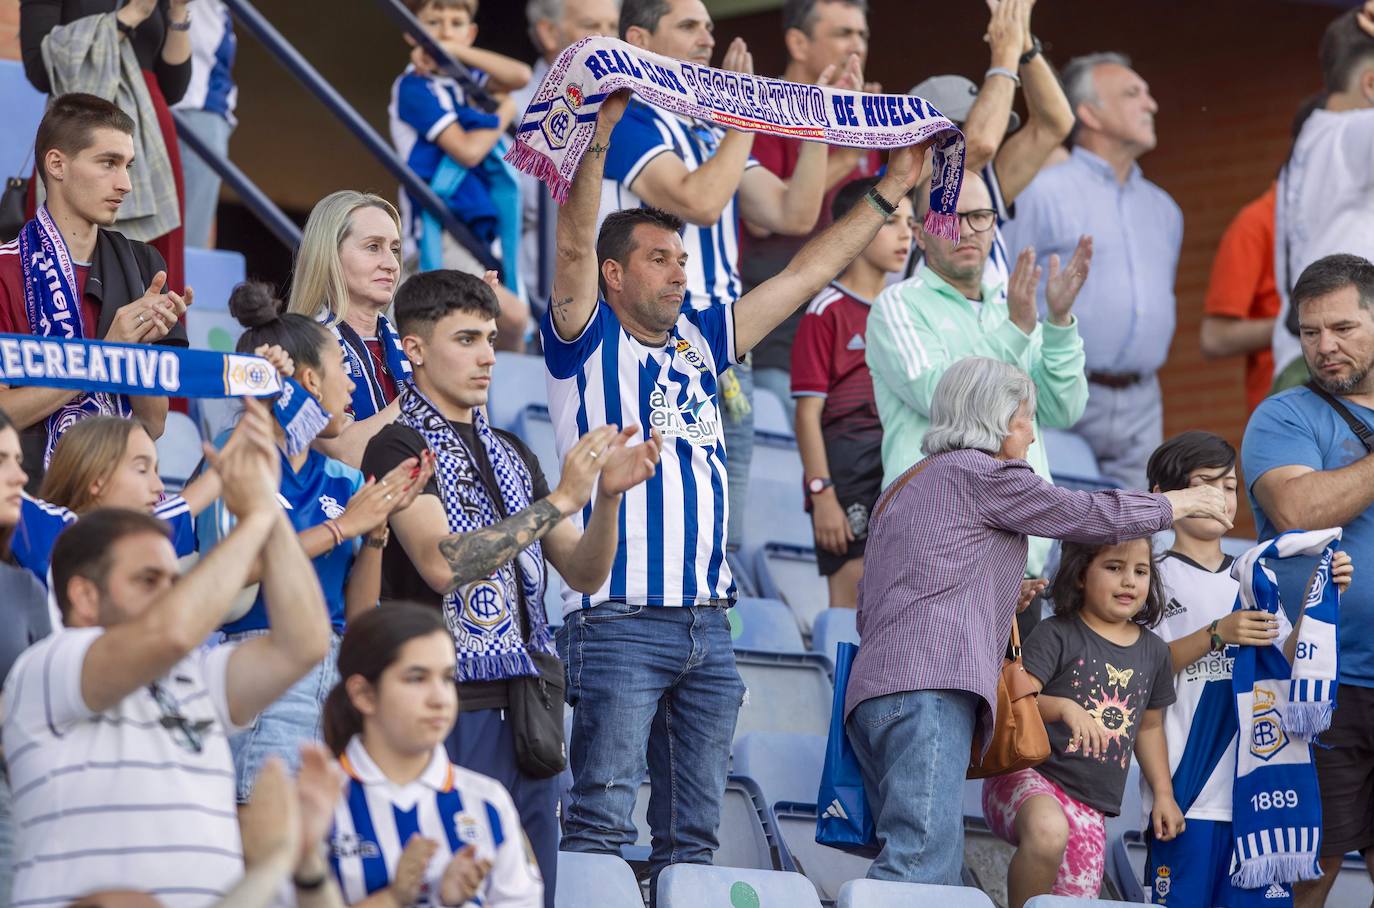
x,y
201,184
739,453
293,719
913,750
661,683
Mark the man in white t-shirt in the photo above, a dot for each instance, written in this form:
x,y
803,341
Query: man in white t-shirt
x,y
116,729
1325,199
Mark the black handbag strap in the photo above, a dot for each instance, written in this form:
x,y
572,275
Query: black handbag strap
x,y
1362,431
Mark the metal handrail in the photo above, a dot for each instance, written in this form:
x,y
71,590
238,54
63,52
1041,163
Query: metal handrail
x,y
282,227
475,94
308,76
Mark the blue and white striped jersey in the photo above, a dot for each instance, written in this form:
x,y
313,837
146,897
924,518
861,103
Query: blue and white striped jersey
x,y
672,527
454,807
643,134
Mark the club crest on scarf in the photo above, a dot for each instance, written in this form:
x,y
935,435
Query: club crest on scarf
x,y
481,615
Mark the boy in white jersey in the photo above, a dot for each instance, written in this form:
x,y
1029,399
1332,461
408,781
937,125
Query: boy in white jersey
x,y
651,668
1202,630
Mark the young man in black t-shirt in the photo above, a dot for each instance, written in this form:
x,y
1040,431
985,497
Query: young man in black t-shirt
x,y
473,542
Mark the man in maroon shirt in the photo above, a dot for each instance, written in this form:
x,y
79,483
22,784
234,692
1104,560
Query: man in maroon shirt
x,y
84,148
838,430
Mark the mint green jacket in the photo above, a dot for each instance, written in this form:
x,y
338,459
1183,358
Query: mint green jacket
x,y
920,327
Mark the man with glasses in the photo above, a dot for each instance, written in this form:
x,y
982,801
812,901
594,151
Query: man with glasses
x,y
946,312
116,729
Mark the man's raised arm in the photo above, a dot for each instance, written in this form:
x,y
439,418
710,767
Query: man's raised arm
x,y
826,255
575,271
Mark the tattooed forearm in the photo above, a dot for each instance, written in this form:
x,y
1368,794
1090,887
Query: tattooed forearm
x,y
472,556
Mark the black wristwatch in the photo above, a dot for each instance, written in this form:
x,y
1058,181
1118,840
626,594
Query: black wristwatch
x,y
875,198
1034,52
1218,644
818,484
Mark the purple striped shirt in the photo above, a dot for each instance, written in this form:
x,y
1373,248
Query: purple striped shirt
x,y
944,563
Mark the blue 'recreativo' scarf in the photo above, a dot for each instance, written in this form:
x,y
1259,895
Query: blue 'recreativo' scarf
x,y
368,398
1276,815
54,310
111,369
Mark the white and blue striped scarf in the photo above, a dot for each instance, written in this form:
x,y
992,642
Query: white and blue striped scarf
x,y
1276,806
482,615
367,387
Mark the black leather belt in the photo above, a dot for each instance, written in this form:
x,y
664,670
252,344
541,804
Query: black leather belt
x,y
1115,379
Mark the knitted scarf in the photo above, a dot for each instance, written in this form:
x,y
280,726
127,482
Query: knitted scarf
x,y
368,399
482,615
54,310
558,125
1276,808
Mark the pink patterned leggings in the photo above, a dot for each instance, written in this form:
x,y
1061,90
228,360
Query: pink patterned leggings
x,y
1080,874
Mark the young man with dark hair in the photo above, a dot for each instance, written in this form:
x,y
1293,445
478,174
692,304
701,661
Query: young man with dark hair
x,y
663,682
1307,465
66,276
474,542
122,719
838,430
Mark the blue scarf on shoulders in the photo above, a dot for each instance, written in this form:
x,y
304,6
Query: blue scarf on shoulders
x,y
368,398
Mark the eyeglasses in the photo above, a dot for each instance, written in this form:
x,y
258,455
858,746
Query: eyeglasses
x,y
980,220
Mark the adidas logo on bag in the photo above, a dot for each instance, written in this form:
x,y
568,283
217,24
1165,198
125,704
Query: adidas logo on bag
x,y
836,810
1275,891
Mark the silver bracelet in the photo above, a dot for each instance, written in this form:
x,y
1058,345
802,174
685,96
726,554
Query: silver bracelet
x,y
1003,71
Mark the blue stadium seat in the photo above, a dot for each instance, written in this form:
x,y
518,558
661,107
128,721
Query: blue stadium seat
x,y
832,627
827,868
215,414
748,832
770,416
178,451
1059,901
213,274
1069,454
1352,886
21,107
743,572
517,381
787,767
1131,817
788,572
884,894
774,512
1126,865
786,693
695,885
535,428
764,624
595,881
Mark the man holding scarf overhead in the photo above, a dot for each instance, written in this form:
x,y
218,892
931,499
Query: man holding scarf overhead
x,y
474,543
66,276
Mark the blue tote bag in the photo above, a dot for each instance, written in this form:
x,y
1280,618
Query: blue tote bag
x,y
843,817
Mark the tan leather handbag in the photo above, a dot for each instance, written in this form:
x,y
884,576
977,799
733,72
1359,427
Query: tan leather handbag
x,y
1019,740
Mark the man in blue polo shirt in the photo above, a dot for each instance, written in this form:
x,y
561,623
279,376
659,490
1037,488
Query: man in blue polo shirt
x,y
650,664
1308,457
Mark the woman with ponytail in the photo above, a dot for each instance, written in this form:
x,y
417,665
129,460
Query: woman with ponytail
x,y
409,819
340,518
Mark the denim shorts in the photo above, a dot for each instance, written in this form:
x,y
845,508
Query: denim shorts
x,y
295,718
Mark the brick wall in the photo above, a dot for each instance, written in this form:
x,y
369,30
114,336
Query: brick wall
x,y
1228,76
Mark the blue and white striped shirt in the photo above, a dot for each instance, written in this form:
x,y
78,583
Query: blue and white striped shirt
x,y
643,134
672,527
449,805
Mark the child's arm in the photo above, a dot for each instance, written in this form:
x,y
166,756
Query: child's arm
x,y
503,73
1085,733
1249,627
832,528
469,146
1153,754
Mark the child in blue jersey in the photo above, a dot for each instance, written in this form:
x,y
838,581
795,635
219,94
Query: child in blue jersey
x,y
332,509
1203,632
432,120
105,462
413,828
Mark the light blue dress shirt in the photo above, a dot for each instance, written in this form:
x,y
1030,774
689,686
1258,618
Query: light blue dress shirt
x,y
1126,308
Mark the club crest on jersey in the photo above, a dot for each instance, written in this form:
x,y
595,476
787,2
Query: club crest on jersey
x,y
1267,737
692,355
693,420
331,507
1162,881
466,828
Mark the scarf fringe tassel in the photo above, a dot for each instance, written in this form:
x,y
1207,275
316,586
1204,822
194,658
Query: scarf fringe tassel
x,y
1306,720
945,226
1275,868
542,168
495,667
305,427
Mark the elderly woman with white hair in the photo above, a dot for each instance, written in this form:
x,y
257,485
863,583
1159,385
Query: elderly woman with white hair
x,y
946,554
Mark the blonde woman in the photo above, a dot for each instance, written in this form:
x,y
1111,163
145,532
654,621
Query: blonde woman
x,y
347,269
